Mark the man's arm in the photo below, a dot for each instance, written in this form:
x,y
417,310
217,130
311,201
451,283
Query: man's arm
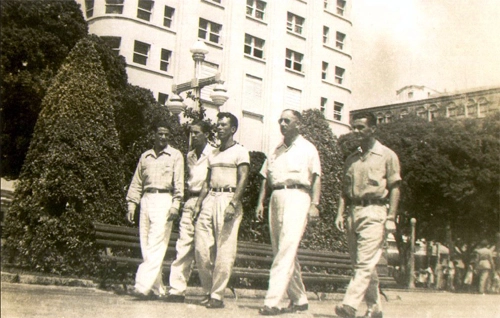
x,y
259,210
241,183
134,193
394,194
339,220
313,213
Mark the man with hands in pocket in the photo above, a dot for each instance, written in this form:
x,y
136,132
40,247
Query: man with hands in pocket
x,y
369,200
158,186
293,176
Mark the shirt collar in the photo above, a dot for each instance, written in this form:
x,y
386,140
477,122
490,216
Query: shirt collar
x,y
377,148
206,151
297,140
167,150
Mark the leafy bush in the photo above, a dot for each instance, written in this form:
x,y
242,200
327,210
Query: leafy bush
x,y
73,172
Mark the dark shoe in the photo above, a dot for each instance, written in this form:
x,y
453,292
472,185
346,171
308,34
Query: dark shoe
x,y
294,308
345,311
373,314
174,298
205,300
141,296
269,311
215,304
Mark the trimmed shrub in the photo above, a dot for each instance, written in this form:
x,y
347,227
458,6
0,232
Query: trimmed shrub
x,y
73,172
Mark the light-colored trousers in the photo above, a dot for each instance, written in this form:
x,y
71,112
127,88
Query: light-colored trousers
x,y
216,243
288,211
365,237
154,232
180,271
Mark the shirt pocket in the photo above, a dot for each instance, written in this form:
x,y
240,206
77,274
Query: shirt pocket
x,y
296,163
376,176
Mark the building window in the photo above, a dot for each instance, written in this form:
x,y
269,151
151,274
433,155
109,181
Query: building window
x,y
380,118
254,46
114,6
322,106
340,7
113,42
339,75
422,113
337,110
294,60
325,4
144,9
324,70
293,98
403,113
294,23
253,94
388,117
433,112
162,98
165,59
89,8
207,70
168,17
326,30
141,51
471,109
483,106
340,40
410,95
256,8
209,31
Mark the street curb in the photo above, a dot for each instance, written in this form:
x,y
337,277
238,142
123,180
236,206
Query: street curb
x,y
46,280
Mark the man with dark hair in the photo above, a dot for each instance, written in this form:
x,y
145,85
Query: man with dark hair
x,y
293,174
371,182
197,161
220,212
158,186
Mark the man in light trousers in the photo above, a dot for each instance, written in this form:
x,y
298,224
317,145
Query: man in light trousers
x,y
158,185
292,173
220,212
197,161
371,182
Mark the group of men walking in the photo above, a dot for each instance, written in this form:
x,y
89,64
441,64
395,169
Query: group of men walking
x,y
212,211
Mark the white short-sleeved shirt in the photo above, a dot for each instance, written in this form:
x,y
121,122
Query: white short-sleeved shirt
x,y
198,168
224,165
294,165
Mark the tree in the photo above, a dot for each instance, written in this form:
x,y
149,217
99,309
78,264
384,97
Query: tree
x,y
36,38
73,172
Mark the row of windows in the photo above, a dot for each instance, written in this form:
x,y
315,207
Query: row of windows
x,y
337,108
209,30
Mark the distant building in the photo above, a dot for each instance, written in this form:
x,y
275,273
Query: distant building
x,y
474,103
272,55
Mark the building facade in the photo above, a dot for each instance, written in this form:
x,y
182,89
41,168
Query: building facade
x,y
474,103
271,55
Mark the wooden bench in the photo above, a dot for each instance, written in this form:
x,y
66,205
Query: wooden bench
x,y
253,260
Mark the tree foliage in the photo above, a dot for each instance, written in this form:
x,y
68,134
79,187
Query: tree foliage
x,y
36,38
73,173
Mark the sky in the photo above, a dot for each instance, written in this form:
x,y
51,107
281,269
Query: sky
x,y
446,45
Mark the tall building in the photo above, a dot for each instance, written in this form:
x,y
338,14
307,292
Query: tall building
x,y
271,55
470,103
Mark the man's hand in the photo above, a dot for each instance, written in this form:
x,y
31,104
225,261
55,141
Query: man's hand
x,y
173,214
259,212
130,216
313,214
339,222
390,226
196,213
229,212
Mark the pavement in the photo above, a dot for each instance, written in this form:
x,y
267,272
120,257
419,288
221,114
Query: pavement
x,y
38,296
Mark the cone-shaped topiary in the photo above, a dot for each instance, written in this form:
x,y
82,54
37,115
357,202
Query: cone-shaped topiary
x,y
72,174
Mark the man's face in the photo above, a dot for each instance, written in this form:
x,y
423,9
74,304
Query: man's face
x,y
224,129
161,137
289,124
362,129
197,136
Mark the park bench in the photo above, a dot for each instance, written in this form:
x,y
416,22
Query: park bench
x,y
253,260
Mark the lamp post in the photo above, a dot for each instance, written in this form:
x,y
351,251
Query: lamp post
x,y
219,96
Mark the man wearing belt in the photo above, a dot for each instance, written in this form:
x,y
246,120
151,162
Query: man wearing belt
x,y
292,173
158,185
371,181
197,165
220,212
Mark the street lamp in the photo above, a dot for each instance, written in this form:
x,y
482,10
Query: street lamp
x,y
219,95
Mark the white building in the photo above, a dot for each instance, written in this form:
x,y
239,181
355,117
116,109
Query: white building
x,y
271,55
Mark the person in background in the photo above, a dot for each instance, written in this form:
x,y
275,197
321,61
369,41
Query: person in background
x,y
484,266
371,183
197,162
219,212
158,186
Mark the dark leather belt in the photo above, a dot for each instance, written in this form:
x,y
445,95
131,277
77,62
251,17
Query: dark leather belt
x,y
367,202
191,194
155,190
228,189
293,186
